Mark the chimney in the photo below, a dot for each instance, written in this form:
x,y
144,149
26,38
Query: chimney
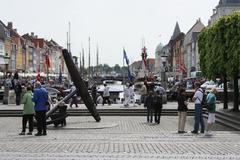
x,y
10,25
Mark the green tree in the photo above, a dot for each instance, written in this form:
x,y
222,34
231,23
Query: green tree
x,y
219,49
117,68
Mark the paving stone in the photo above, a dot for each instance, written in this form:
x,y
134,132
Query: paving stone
x,y
131,139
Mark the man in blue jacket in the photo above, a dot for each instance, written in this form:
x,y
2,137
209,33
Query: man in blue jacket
x,y
40,97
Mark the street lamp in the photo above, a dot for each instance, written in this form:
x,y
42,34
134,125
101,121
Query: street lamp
x,y
163,70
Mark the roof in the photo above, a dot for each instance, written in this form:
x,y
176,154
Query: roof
x,y
176,32
196,28
227,2
159,47
3,29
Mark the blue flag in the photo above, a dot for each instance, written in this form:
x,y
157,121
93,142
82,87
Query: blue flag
x,y
125,57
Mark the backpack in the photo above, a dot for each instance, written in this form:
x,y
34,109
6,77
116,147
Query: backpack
x,y
204,103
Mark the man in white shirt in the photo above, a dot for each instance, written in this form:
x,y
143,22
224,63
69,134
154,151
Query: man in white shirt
x,y
132,94
106,95
197,98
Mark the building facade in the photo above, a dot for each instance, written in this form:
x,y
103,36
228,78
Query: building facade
x,y
191,56
225,7
5,47
177,64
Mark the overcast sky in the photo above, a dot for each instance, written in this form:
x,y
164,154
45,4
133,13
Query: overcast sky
x,y
112,24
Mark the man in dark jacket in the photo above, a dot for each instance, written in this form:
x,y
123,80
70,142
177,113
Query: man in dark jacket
x,y
94,93
18,91
149,104
182,110
40,97
157,102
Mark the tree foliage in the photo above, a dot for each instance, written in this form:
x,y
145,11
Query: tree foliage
x,y
219,47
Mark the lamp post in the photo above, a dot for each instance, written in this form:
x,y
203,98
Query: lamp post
x,y
6,86
163,70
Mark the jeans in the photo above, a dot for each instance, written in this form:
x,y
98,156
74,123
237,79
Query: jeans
x,y
149,114
198,118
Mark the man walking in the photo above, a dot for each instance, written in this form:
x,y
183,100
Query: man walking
x,y
106,95
40,97
197,98
74,97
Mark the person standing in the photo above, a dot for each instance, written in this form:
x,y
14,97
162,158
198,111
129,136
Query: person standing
x,y
157,102
182,110
162,92
74,97
149,104
197,98
127,95
132,94
106,95
18,91
40,98
28,111
143,93
211,101
94,93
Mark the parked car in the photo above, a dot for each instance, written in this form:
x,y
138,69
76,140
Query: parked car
x,y
209,85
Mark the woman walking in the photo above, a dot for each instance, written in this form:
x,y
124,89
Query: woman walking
x,y
28,111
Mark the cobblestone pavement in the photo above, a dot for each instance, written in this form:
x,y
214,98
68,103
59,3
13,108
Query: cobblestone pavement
x,y
120,138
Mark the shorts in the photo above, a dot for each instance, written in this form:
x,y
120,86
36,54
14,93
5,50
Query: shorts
x,y
211,118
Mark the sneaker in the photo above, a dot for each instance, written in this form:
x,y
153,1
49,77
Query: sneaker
x,y
44,134
207,134
194,132
29,133
202,131
22,133
38,134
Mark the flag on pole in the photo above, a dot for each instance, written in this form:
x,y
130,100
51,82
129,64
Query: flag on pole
x,y
130,76
125,57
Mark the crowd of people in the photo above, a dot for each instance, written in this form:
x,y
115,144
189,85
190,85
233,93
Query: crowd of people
x,y
199,102
35,97
152,97
35,104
